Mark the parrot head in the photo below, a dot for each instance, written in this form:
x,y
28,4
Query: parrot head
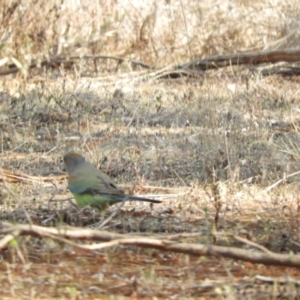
x,y
72,161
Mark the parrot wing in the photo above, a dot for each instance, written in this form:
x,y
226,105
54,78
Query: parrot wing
x,y
93,182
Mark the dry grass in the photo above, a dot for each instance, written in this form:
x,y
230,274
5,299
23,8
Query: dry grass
x,y
193,143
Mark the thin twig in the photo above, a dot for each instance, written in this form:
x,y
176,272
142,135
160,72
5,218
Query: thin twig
x,y
269,188
101,225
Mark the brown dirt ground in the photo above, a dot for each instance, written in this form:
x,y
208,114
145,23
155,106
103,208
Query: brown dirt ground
x,y
196,144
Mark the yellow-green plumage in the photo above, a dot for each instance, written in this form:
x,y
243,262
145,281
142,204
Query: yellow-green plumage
x,y
92,187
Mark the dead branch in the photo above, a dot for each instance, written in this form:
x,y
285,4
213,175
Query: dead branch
x,y
190,69
56,61
250,58
163,244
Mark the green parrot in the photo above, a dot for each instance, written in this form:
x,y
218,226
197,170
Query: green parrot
x,y
90,186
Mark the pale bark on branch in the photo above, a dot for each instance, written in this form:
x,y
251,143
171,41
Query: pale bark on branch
x,y
163,243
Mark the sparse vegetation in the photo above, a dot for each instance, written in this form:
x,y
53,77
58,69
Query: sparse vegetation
x,y
212,148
